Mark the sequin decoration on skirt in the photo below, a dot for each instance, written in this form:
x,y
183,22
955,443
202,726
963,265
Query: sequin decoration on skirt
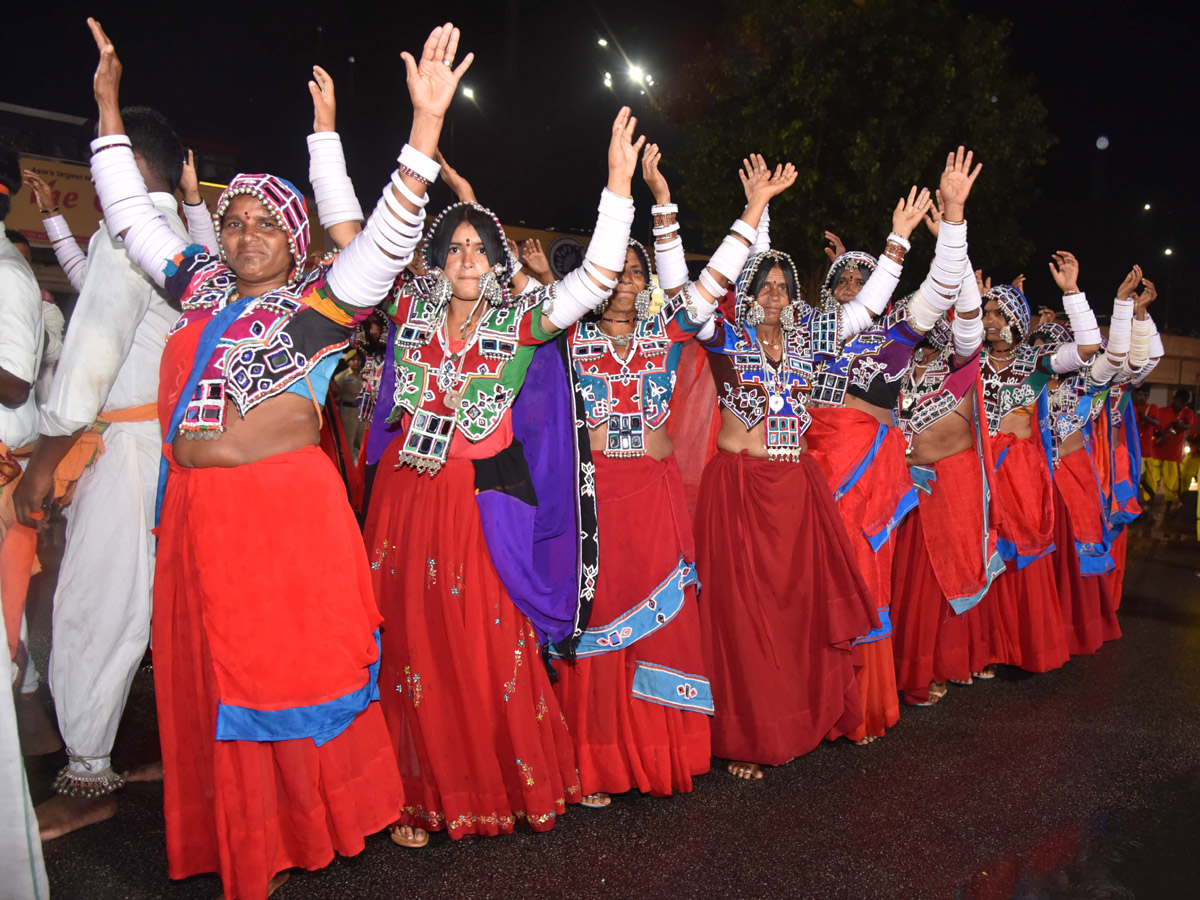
x,y
476,728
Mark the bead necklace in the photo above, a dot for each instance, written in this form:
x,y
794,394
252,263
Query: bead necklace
x,y
450,373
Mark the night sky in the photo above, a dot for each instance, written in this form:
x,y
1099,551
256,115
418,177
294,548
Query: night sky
x,y
533,142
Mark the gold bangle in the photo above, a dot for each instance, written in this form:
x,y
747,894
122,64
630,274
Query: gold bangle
x,y
948,222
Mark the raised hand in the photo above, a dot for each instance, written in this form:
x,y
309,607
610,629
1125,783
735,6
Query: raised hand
x,y
433,81
957,180
1045,316
653,177
1019,283
623,152
533,257
836,248
189,182
752,166
1064,269
42,191
766,184
909,211
1145,298
324,101
461,187
106,83
1129,285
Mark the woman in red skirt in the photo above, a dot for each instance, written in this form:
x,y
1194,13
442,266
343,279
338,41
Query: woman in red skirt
x,y
1015,375
853,435
946,556
633,685
475,515
266,632
1083,558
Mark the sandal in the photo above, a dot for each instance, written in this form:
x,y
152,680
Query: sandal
x,y
413,842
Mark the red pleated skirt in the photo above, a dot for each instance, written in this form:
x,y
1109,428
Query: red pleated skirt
x,y
927,647
1026,600
838,439
1087,603
273,542
622,742
476,729
781,602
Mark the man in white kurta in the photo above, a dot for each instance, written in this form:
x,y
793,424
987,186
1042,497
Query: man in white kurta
x,y
22,873
101,626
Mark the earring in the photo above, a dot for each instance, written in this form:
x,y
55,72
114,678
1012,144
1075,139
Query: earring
x,y
442,290
641,303
1006,334
489,288
787,318
756,314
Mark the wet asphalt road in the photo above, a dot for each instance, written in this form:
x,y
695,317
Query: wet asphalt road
x,y
1083,782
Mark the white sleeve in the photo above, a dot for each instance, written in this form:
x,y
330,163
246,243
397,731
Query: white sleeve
x,y
111,305
20,324
578,294
128,210
67,251
200,226
939,291
872,300
762,241
967,332
364,272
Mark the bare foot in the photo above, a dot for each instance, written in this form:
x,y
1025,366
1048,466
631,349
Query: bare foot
x,y
869,739
408,836
988,673
151,771
38,733
966,683
598,800
746,770
61,814
272,886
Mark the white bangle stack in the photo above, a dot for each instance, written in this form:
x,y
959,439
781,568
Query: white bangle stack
x,y
332,188
1083,320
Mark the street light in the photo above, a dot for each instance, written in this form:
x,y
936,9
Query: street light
x,y
608,79
469,93
637,73
602,42
1167,252
1147,206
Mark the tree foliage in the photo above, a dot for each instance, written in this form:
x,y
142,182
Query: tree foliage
x,y
866,98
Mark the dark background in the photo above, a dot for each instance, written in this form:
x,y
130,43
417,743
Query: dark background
x,y
533,142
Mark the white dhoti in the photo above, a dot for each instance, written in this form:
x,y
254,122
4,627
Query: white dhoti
x,y
102,605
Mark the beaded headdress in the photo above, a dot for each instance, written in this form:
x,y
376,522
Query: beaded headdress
x,y
941,334
647,263
285,204
742,296
503,270
1013,306
851,259
1054,333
